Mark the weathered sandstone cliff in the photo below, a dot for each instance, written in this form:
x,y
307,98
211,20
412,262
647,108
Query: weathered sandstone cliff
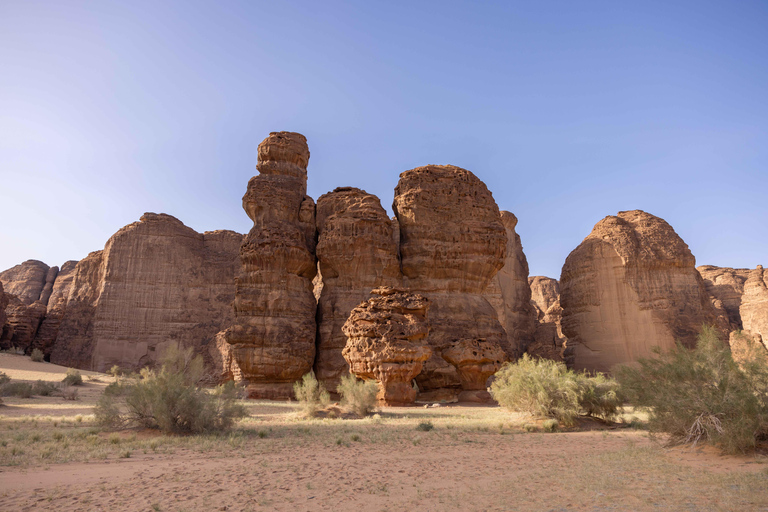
x,y
272,341
549,341
631,285
726,286
387,342
356,253
28,280
452,243
754,304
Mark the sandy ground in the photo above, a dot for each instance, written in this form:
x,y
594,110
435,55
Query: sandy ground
x,y
459,468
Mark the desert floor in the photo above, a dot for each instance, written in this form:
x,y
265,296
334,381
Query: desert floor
x,y
52,457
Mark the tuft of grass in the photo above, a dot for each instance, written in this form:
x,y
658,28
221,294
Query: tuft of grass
x,y
358,395
73,378
550,425
310,394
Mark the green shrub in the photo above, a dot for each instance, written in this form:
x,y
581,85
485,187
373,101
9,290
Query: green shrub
x,y
702,394
170,399
310,394
550,425
73,378
36,355
359,396
546,388
425,426
4,378
43,388
17,389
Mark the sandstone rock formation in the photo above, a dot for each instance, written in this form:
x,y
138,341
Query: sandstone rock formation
x,y
549,341
510,294
631,284
387,342
726,285
49,329
23,321
156,283
452,243
744,346
272,341
754,304
356,252
27,281
3,318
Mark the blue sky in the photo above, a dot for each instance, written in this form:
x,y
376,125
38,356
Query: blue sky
x,y
568,111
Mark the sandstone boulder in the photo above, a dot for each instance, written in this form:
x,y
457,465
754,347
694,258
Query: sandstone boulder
x,y
631,285
26,281
754,303
510,294
272,340
387,341
356,252
157,283
452,244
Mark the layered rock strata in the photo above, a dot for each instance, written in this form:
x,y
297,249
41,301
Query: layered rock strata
x,y
549,341
387,341
157,283
356,252
726,287
754,304
631,285
452,243
28,280
3,318
510,294
272,341
22,323
46,335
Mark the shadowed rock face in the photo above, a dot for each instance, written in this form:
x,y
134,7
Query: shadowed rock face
x,y
452,243
3,318
631,285
356,251
27,281
549,341
156,283
57,302
387,342
272,341
23,321
754,303
726,285
510,294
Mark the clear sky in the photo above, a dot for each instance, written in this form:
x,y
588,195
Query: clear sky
x,y
568,111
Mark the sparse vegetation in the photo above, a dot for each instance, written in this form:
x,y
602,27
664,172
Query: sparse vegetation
x,y
703,394
312,395
545,388
36,355
170,399
73,378
425,426
359,396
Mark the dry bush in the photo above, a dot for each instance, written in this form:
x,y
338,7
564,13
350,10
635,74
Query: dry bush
x,y
36,355
546,388
702,394
73,378
311,394
359,396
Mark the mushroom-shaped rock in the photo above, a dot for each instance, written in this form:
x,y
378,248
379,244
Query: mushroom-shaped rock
x,y
387,341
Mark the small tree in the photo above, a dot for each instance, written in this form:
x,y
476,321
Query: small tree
x,y
358,395
311,394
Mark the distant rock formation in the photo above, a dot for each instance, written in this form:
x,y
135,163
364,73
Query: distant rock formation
x,y
28,280
510,294
156,283
46,335
754,304
387,342
631,285
549,341
22,322
452,243
356,251
726,287
272,341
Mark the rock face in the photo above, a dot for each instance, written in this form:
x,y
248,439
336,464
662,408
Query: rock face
x,y
272,341
754,303
49,329
452,243
549,341
744,346
23,321
726,285
156,283
3,303
510,295
631,284
387,342
27,281
356,252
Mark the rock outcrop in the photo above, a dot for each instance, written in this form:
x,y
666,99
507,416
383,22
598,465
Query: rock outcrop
x,y
631,285
23,321
157,283
745,345
356,252
452,244
387,342
46,335
754,304
726,286
28,280
549,341
272,341
3,317
510,295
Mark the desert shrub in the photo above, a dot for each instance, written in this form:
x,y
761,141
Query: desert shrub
x,y
311,394
546,388
70,393
17,389
425,426
115,371
359,396
36,355
550,425
4,378
73,378
43,388
170,399
702,394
